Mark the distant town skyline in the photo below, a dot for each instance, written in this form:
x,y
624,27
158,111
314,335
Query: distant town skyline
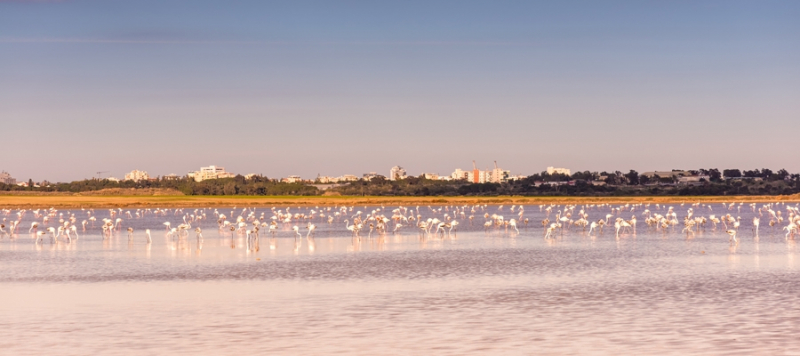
x,y
496,174
301,88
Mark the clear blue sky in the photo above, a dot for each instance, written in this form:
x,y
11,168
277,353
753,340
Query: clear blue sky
x,y
337,87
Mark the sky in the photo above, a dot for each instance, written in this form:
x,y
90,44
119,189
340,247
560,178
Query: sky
x,y
349,87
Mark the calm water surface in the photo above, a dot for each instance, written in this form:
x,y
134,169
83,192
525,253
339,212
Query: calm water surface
x,y
474,291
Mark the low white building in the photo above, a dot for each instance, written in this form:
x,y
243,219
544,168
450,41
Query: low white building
x,y
667,174
292,179
326,179
554,170
137,175
694,179
210,172
371,175
347,178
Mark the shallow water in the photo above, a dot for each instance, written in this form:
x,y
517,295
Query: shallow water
x,y
474,291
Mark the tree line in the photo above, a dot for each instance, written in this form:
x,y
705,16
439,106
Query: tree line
x,y
726,182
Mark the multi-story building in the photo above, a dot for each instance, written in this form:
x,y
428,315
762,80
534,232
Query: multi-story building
x,y
458,174
137,175
431,176
554,170
396,173
210,172
478,176
498,175
6,178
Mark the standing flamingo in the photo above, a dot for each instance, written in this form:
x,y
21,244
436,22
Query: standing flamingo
x,y
732,234
756,222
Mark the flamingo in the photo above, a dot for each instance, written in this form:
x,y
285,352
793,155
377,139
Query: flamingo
x,y
52,232
790,230
756,222
452,226
351,228
550,231
732,234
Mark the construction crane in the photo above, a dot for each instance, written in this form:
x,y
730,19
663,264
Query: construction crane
x,y
495,164
100,174
474,167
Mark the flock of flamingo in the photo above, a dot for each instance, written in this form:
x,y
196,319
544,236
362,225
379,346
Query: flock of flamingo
x,y
58,226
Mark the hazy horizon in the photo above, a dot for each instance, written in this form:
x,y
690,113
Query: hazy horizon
x,y
308,87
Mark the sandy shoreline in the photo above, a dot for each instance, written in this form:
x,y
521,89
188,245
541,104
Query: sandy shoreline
x,y
174,201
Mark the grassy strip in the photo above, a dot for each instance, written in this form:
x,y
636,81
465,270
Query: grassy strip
x,y
173,201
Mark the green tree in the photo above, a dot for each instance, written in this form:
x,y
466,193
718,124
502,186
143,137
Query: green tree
x,y
229,188
633,177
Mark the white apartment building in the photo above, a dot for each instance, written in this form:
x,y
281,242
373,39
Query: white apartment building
x,y
459,174
137,175
7,178
477,176
553,170
210,172
431,176
396,173
498,175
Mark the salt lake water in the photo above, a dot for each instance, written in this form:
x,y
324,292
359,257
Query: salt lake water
x,y
472,291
